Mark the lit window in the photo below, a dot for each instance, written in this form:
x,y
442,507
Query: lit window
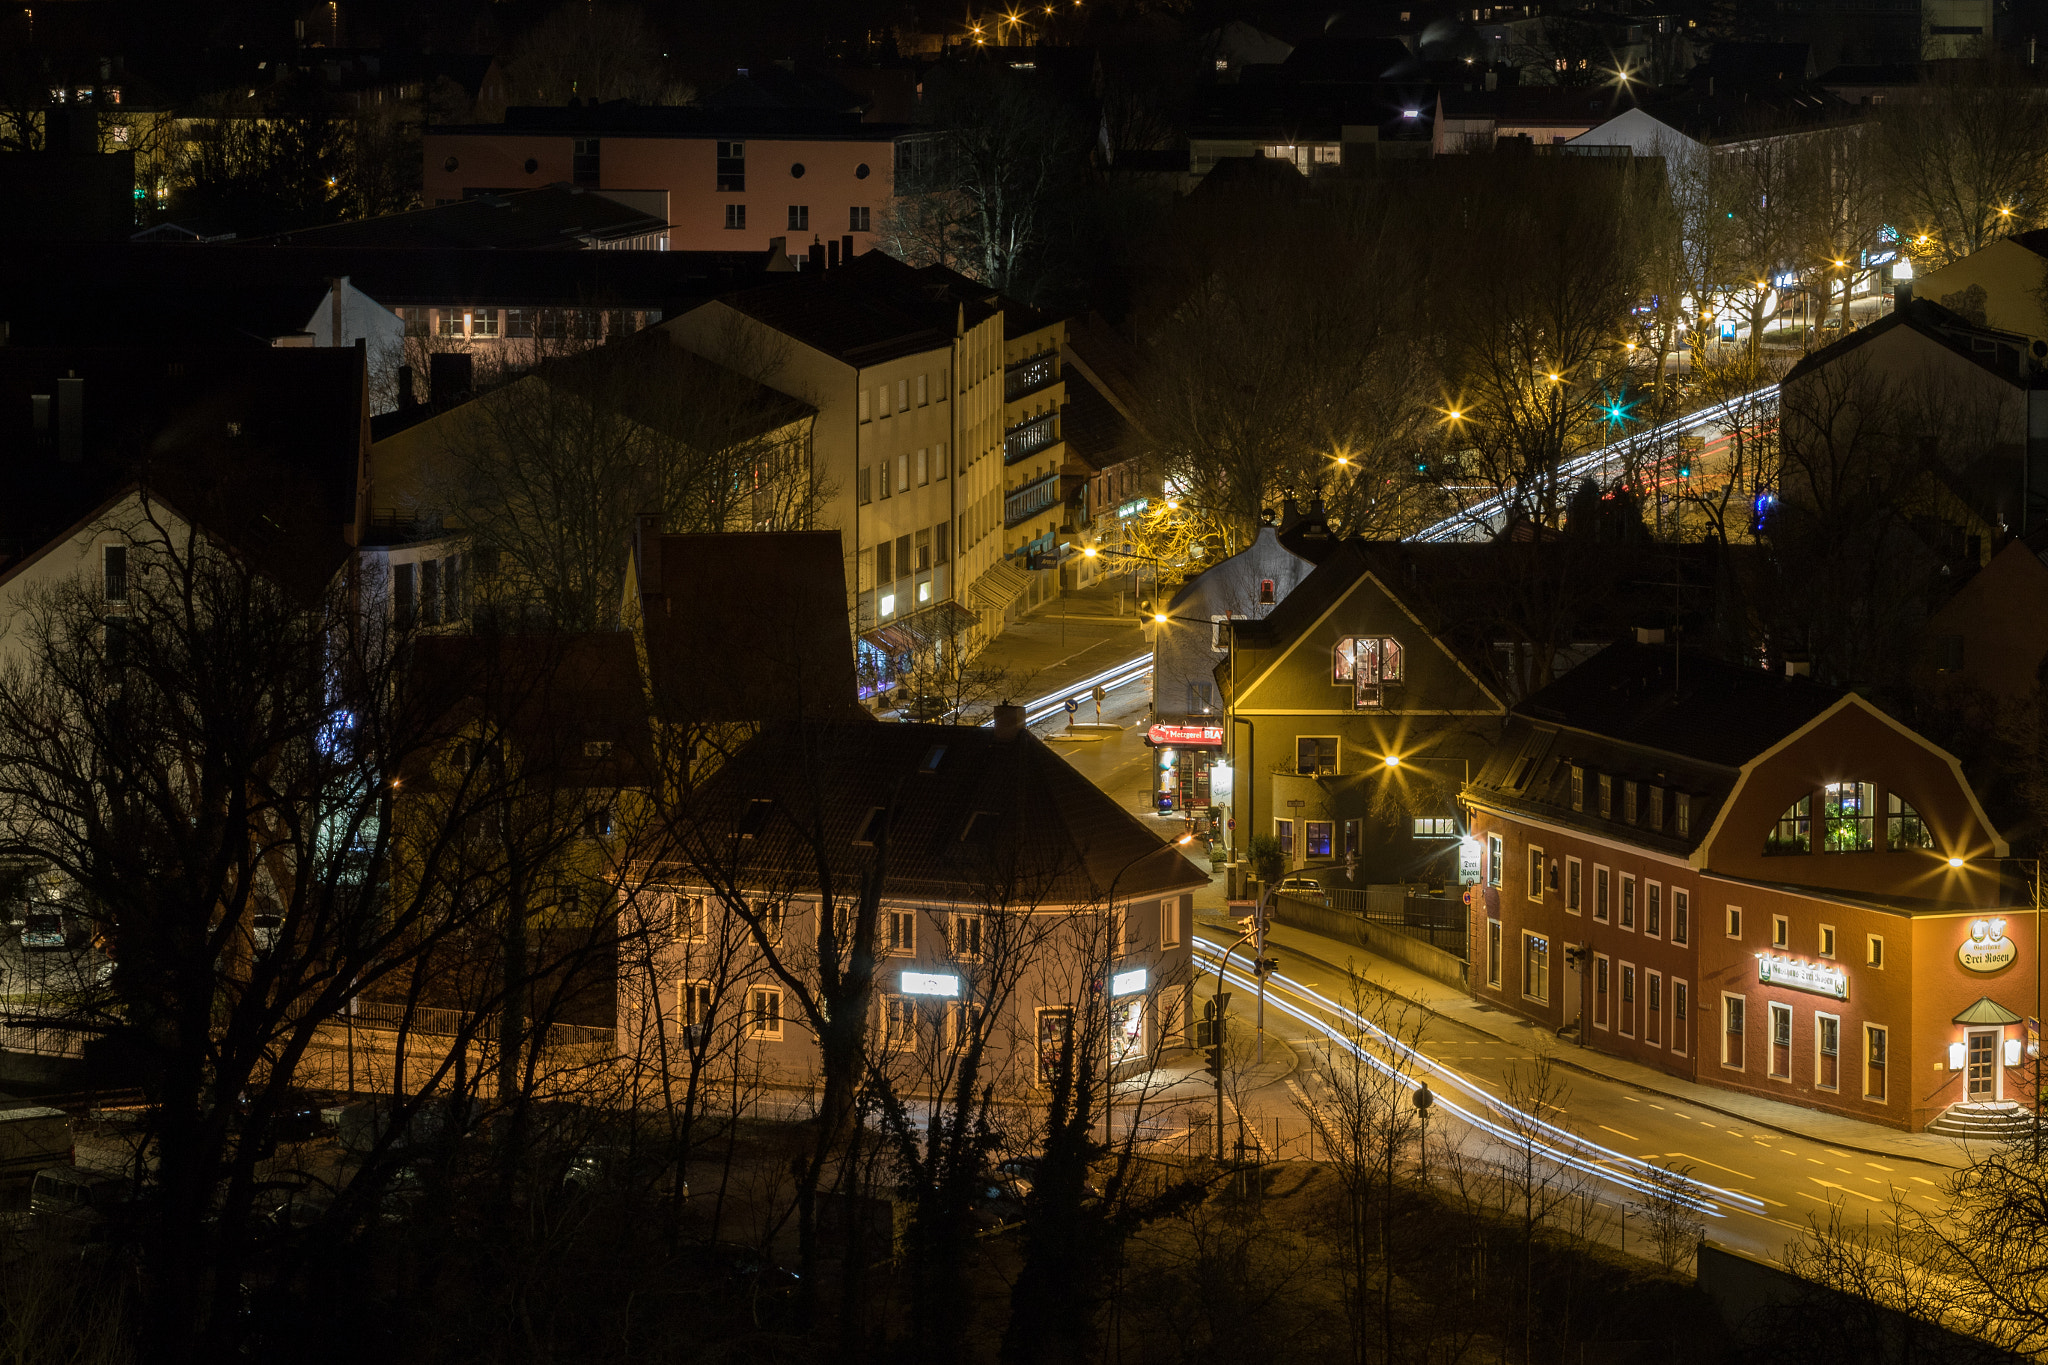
x,y
1794,831
1903,826
1370,664
1315,755
1851,810
764,1012
1434,827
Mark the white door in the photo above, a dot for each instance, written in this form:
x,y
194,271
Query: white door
x,y
1980,1070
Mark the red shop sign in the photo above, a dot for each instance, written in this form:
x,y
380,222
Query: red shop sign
x,y
1197,735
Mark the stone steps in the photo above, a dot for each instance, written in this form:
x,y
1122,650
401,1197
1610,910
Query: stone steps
x,y
1983,1122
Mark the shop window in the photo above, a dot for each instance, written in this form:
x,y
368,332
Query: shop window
x,y
1493,953
1732,1010
1574,878
1315,755
1875,1043
1536,968
1903,826
1827,1047
1681,915
1851,811
1535,874
1628,901
1781,1042
1319,833
1602,882
1794,831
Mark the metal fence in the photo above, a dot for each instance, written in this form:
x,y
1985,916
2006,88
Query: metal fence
x,y
1436,920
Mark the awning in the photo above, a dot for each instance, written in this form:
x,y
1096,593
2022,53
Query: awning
x,y
999,585
934,625
1987,1011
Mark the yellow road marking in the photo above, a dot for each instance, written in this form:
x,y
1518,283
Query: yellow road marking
x,y
1715,1164
1618,1133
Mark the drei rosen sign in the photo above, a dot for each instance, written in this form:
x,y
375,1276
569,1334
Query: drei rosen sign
x,y
1987,949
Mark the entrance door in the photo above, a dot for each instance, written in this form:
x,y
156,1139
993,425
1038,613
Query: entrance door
x,y
1981,1075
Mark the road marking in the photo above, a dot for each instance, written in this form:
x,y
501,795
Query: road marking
x,y
1655,1105
1831,1185
1846,1156
1815,1160
1715,1164
1877,1166
1631,1099
1618,1133
1846,1171
1788,1151
1928,1183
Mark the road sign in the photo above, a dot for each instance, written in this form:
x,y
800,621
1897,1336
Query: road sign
x,y
1072,706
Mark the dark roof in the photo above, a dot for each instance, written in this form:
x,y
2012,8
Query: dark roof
x,y
2004,354
265,446
551,218
1655,697
619,119
747,626
787,87
874,310
1738,115
572,705
653,380
1095,431
1559,104
971,816
229,293
1021,319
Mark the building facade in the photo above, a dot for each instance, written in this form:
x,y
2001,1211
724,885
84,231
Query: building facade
x,y
1753,882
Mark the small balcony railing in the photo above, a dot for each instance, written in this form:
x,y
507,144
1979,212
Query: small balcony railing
x,y
1030,500
1028,438
1027,376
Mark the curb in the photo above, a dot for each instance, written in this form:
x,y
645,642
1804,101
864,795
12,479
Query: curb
x,y
1564,1059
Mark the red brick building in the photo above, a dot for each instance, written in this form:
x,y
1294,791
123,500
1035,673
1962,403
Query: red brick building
x,y
1751,881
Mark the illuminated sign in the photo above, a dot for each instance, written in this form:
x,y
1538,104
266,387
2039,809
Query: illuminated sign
x,y
924,983
1133,507
1127,983
1817,977
1987,949
1198,735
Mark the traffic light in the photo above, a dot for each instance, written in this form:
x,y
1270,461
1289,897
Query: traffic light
x,y
1685,466
1212,1056
1266,966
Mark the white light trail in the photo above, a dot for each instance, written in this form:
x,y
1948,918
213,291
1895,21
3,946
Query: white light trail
x,y
1117,675
1488,509
1565,1148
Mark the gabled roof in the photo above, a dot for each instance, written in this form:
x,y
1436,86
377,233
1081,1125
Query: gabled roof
x,y
551,218
679,393
2000,353
746,626
572,705
871,311
969,817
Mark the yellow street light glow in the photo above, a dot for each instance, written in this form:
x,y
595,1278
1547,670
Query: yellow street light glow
x,y
1955,862
1392,760
1089,551
1553,379
1185,838
1160,619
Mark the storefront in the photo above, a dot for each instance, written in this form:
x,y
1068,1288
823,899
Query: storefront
x,y
1188,750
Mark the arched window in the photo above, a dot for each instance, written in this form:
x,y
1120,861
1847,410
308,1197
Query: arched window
x,y
1794,831
1851,809
1903,826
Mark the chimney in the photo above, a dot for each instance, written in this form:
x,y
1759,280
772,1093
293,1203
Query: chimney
x,y
451,376
846,249
1649,635
407,399
334,321
817,255
1009,721
647,552
1290,512
71,419
831,255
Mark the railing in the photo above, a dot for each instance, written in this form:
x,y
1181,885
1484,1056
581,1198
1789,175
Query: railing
x,y
1033,498
1028,375
1435,920
433,1022
1028,438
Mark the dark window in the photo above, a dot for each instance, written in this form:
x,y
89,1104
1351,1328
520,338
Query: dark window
x,y
1265,592
796,170
942,542
116,628
402,596
754,818
1315,755
583,164
736,216
518,322
430,592
857,219
732,167
114,559
799,217
884,566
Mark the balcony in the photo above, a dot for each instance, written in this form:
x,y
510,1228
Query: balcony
x,y
1028,376
1026,439
1030,500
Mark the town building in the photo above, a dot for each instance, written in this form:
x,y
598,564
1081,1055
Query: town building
x,y
1752,881
1103,429
906,369
1009,895
725,179
1038,468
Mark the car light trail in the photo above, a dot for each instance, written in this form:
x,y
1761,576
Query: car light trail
x,y
1565,1148
1486,509
1111,678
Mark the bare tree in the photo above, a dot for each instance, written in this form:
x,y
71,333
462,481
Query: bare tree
x,y
593,52
1962,164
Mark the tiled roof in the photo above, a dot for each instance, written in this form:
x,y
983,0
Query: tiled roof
x,y
571,704
970,817
680,393
748,626
874,310
551,218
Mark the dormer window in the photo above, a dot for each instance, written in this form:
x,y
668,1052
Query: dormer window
x,y
1794,831
1266,586
1628,803
1903,826
753,819
1578,787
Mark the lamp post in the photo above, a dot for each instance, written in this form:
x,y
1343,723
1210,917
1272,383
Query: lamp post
x,y
1097,551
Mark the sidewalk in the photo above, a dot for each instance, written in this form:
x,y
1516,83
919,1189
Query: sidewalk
x,y
1449,1002
1055,648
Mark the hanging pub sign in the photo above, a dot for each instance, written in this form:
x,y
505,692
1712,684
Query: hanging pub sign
x,y
1987,949
1790,972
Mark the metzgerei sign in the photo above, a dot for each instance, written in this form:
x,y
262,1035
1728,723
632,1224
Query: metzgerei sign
x,y
1197,735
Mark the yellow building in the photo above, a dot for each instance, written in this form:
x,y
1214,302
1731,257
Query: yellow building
x,y
1999,286
1035,456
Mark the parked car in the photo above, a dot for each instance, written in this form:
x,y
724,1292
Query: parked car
x,y
79,1204
43,929
1302,883
924,707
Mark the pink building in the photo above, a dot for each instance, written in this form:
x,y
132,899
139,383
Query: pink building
x,y
727,180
